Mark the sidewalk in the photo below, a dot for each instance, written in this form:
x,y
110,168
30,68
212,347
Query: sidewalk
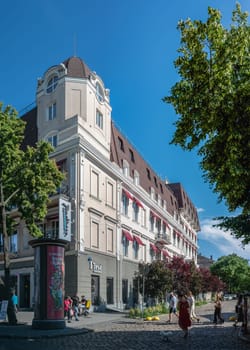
x,y
24,330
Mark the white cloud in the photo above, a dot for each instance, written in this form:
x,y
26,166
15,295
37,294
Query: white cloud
x,y
223,241
200,210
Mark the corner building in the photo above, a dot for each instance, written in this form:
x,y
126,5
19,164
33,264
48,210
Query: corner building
x,y
122,213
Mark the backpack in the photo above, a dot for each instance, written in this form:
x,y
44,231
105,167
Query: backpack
x,y
88,304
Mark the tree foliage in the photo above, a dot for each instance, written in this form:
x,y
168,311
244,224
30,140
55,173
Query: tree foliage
x,y
212,100
234,271
27,179
160,277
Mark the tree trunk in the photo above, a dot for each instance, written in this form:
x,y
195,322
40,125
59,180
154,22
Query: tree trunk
x,y
8,293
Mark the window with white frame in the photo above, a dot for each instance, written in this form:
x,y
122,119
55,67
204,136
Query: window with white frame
x,y
13,242
135,211
52,140
125,204
94,234
52,84
99,92
99,119
143,217
110,240
151,223
110,194
125,245
94,184
125,167
136,178
52,111
135,249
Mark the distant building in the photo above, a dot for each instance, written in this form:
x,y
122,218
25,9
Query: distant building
x,y
122,212
204,262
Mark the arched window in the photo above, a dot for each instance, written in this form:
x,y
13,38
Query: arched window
x,y
52,84
99,92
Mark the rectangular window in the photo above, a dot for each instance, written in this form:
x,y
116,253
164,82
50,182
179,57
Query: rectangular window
x,y
136,249
125,203
94,191
99,119
125,244
143,217
52,112
95,234
110,290
53,140
110,240
110,194
135,212
124,291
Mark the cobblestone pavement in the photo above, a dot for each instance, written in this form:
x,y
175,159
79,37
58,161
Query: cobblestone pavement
x,y
137,334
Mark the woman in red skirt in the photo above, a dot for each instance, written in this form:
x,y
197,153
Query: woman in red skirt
x,y
184,314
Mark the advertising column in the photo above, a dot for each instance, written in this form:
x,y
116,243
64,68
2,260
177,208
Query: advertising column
x,y
49,283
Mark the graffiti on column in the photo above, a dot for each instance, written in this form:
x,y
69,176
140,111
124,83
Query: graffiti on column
x,y
55,280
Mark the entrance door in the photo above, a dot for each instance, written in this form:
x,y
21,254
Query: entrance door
x,y
95,289
24,301
110,290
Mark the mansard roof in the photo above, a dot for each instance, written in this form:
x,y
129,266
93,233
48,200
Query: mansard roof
x,y
148,177
122,150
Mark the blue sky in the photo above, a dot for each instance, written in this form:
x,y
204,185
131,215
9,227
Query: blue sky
x,y
132,45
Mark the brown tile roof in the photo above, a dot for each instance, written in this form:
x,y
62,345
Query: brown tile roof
x,y
117,155
76,68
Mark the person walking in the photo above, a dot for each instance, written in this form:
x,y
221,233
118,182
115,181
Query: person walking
x,y
172,307
191,301
67,308
217,308
75,307
184,314
239,310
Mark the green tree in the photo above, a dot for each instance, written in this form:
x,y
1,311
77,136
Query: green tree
x,y
212,99
155,279
27,179
232,270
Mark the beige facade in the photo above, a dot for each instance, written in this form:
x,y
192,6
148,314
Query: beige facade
x,y
115,222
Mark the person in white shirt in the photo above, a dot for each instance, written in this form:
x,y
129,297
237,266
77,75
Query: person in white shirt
x,y
191,301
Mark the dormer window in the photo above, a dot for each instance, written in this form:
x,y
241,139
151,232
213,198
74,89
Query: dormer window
x,y
132,158
52,84
99,92
121,144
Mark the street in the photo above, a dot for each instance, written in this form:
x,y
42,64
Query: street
x,y
125,333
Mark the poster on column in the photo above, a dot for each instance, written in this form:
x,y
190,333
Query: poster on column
x,y
55,282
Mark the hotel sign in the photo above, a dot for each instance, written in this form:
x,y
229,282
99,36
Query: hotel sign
x,y
64,219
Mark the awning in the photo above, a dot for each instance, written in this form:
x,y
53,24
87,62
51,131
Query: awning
x,y
166,224
127,194
138,202
152,214
153,247
165,253
138,240
127,235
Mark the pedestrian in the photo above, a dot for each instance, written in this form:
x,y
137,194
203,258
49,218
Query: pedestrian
x,y
172,306
14,299
217,308
75,307
191,301
239,310
67,308
184,313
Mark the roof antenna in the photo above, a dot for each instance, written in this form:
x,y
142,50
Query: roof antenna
x,y
75,45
